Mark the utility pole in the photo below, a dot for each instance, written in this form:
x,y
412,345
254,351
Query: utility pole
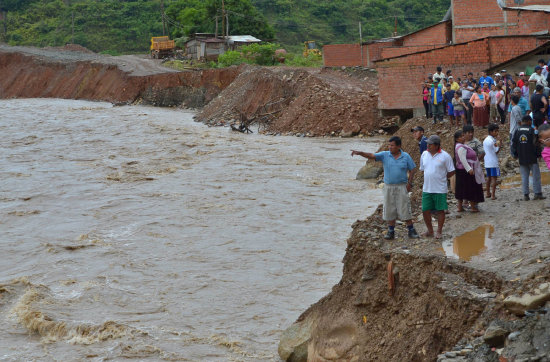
x,y
223,19
395,26
216,32
162,14
361,42
72,32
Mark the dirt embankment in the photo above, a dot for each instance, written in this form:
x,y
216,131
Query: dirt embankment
x,y
78,74
460,299
310,102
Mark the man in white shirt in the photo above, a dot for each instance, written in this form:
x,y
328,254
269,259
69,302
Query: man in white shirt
x,y
438,75
538,78
491,146
438,166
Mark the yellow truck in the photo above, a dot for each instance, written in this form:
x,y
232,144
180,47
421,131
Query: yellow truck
x,y
161,47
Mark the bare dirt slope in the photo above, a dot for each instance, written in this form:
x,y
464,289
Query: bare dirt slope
x,y
303,101
77,73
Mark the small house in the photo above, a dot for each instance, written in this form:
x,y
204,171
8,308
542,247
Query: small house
x,y
204,48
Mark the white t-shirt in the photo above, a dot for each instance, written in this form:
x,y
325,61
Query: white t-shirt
x,y
541,79
491,158
435,171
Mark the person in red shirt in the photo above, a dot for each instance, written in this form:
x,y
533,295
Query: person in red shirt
x,y
522,80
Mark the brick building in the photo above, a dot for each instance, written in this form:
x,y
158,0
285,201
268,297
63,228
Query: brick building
x,y
473,36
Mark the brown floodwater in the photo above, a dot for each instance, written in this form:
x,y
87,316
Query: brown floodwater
x,y
136,233
471,243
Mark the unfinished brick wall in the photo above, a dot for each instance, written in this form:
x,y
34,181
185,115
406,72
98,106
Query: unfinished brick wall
x,y
475,19
433,35
391,52
400,79
349,55
503,49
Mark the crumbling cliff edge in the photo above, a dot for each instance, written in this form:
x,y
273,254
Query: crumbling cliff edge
x,y
472,298
78,74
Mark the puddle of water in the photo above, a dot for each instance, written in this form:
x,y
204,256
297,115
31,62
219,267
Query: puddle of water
x,y
515,180
469,244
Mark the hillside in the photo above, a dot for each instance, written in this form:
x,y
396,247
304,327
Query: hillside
x,y
126,26
337,21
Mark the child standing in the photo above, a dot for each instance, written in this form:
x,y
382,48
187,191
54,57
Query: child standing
x,y
524,147
449,95
459,108
491,146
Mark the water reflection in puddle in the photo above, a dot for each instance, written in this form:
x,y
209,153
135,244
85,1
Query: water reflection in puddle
x,y
469,244
515,180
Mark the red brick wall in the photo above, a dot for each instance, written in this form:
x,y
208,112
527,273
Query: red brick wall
x,y
349,55
473,12
437,34
401,78
469,13
391,52
503,49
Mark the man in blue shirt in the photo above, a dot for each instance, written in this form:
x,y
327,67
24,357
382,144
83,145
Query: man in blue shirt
x,y
436,94
485,78
523,104
399,170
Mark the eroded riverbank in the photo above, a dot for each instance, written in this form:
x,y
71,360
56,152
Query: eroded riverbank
x,y
438,302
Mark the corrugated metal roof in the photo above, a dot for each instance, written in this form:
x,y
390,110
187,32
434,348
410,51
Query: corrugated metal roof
x,y
243,39
544,8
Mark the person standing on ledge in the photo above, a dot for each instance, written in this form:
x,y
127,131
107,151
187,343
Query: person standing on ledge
x,y
397,184
438,167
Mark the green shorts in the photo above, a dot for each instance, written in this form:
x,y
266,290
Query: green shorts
x,y
434,201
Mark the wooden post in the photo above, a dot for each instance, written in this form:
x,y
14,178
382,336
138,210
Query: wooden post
x,y
361,43
216,32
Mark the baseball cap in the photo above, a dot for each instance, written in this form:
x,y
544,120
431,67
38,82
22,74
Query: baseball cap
x,y
434,140
521,73
503,71
538,67
451,77
417,128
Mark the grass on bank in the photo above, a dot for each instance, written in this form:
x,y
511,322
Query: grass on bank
x,y
258,54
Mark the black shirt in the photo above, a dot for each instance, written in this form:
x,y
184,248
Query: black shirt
x,y
524,145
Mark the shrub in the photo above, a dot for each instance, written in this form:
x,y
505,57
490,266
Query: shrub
x,y
230,57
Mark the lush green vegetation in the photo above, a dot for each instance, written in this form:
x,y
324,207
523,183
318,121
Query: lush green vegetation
x,y
337,21
122,26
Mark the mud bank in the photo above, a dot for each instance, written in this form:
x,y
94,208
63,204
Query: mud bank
x,y
60,73
309,102
427,300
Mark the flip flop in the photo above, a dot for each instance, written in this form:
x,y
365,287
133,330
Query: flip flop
x,y
427,234
438,236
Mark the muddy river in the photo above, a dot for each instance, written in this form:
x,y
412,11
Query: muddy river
x,y
134,232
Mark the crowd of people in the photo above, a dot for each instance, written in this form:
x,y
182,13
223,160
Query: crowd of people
x,y
485,100
469,103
